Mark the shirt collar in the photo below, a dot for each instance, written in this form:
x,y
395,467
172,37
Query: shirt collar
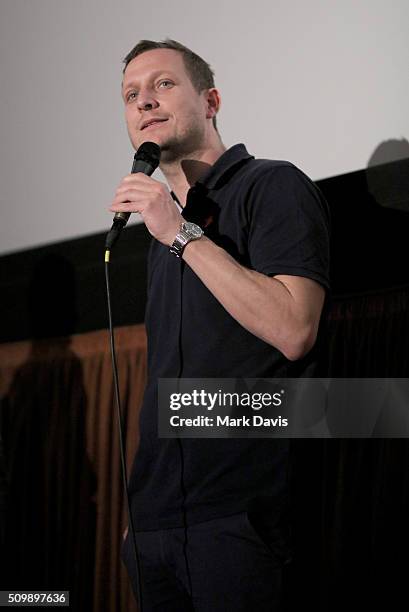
x,y
227,160
232,156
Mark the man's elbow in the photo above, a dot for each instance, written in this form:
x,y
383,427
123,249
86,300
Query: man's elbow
x,y
298,344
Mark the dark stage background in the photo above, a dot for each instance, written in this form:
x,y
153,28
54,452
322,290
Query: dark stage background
x,y
61,499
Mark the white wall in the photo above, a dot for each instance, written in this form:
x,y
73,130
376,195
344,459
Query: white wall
x,y
319,82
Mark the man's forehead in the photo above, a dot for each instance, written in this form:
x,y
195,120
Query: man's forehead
x,y
154,61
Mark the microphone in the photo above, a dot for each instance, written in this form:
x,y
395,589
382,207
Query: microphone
x,y
146,160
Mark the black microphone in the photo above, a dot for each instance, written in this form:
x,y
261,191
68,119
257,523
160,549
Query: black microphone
x,y
146,160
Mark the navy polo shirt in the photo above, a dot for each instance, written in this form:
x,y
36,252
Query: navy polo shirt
x,y
271,218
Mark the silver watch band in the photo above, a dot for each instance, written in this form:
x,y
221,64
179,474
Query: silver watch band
x,y
179,243
188,231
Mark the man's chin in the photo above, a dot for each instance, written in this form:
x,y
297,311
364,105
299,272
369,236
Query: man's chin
x,y
166,147
171,149
151,139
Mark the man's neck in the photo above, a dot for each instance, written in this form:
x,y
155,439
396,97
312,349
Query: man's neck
x,y
184,173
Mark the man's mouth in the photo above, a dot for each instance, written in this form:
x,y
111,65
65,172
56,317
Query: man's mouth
x,y
154,123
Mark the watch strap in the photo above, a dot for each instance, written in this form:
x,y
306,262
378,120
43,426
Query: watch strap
x,y
181,240
184,236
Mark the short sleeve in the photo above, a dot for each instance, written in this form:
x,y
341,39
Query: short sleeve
x,y
289,226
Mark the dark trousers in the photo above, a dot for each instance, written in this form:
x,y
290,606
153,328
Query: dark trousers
x,y
229,564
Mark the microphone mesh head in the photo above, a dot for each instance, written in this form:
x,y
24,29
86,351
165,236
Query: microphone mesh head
x,y
150,152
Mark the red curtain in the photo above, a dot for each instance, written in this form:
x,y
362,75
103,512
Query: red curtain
x,y
64,495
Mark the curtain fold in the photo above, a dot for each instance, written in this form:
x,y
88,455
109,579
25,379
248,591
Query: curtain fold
x,y
351,496
64,495
369,335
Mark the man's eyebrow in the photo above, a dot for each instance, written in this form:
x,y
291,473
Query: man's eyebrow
x,y
153,76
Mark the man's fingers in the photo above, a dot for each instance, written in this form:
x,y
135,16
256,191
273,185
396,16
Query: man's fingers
x,y
126,207
129,193
140,177
135,187
142,181
131,196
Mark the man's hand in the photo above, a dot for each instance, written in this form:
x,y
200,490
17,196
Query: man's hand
x,y
143,194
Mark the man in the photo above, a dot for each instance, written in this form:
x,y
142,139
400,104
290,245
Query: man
x,y
242,299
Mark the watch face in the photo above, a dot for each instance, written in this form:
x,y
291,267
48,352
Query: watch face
x,y
192,229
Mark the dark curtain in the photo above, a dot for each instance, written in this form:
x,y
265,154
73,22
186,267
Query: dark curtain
x,y
350,497
62,496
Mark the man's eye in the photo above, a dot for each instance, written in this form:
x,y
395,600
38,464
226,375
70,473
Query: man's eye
x,y
165,81
131,96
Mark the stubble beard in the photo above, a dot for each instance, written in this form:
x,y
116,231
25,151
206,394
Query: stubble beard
x,y
177,148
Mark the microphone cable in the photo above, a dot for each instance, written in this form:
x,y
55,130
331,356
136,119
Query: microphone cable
x,y
146,160
131,527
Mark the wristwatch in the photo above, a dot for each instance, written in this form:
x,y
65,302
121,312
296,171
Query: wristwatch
x,y
188,232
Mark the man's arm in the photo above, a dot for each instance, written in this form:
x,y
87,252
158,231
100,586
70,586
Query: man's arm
x,y
281,310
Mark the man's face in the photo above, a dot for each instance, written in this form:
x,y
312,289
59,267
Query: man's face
x,y
156,85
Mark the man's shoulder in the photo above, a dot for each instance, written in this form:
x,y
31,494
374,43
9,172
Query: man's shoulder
x,y
260,175
271,167
281,181
238,168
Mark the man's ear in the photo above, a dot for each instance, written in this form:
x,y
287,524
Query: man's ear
x,y
214,101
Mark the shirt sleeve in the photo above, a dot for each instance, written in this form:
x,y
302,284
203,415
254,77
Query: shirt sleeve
x,y
289,226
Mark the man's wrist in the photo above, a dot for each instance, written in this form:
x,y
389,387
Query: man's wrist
x,y
188,232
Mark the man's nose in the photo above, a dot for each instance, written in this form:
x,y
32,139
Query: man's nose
x,y
146,100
